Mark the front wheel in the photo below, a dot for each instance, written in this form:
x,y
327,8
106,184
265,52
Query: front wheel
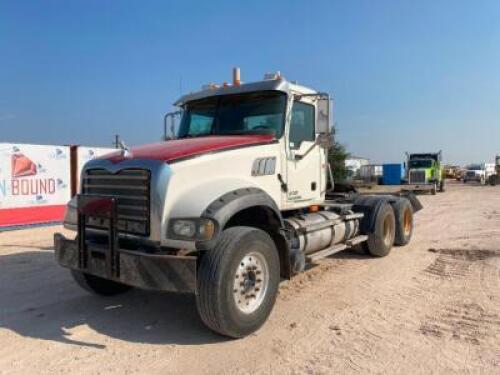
x,y
238,282
434,189
441,186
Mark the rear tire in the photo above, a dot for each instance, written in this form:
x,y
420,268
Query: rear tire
x,y
380,242
493,180
403,214
238,282
98,285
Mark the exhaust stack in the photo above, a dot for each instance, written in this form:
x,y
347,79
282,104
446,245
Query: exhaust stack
x,y
236,76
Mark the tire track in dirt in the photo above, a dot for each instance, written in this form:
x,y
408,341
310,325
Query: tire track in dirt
x,y
397,314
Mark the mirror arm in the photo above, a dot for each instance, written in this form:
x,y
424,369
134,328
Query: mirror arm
x,y
316,143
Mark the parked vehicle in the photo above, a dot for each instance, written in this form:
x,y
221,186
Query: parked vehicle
x,y
494,179
479,173
451,172
237,202
425,172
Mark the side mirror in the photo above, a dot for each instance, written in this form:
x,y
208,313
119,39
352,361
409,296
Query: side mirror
x,y
169,130
324,140
323,115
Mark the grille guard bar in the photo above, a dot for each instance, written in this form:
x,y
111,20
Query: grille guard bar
x,y
137,268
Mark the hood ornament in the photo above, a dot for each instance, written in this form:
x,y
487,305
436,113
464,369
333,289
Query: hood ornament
x,y
124,149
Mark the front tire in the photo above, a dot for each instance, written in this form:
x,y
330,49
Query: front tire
x,y
98,285
238,282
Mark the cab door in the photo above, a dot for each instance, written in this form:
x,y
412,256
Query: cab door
x,y
304,159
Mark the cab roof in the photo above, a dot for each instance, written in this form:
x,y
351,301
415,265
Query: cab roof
x,y
279,84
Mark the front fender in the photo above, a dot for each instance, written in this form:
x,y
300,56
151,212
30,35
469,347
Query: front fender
x,y
225,207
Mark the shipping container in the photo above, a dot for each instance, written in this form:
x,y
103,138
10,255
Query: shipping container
x,y
392,174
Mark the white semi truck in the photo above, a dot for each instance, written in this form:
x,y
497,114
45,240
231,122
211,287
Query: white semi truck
x,y
242,198
479,173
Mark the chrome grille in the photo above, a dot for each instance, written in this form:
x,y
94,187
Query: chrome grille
x,y
131,188
417,177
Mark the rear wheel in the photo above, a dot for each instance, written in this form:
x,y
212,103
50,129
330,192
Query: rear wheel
x,y
441,186
238,282
98,285
493,180
403,214
380,242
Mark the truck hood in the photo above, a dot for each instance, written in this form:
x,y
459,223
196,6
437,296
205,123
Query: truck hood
x,y
171,151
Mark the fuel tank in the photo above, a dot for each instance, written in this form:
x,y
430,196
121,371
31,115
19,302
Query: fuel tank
x,y
316,231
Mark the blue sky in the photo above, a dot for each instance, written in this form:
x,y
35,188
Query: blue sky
x,y
405,75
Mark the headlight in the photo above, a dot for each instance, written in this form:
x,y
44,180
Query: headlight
x,y
184,228
191,229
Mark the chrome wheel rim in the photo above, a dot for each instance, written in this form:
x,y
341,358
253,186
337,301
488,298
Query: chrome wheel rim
x,y
250,282
387,231
407,222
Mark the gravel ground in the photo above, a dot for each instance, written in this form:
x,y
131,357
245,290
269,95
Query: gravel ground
x,y
430,307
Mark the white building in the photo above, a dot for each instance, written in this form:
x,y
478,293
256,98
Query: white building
x,y
354,164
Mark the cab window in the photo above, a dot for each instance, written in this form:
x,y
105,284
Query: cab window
x,y
302,124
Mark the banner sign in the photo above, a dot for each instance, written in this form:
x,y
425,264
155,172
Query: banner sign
x,y
34,179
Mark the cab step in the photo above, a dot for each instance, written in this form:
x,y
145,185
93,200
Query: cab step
x,y
336,248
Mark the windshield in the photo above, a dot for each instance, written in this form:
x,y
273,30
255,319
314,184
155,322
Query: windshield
x,y
475,167
252,113
420,163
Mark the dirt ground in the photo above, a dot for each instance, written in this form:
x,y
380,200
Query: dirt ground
x,y
430,307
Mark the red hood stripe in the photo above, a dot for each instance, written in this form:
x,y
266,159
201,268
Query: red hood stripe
x,y
170,151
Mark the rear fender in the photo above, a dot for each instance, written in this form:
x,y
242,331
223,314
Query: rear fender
x,y
369,205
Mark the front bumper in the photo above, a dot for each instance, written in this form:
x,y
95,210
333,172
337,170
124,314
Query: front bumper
x,y
169,273
476,178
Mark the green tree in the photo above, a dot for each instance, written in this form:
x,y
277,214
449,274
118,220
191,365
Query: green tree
x,y
337,156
